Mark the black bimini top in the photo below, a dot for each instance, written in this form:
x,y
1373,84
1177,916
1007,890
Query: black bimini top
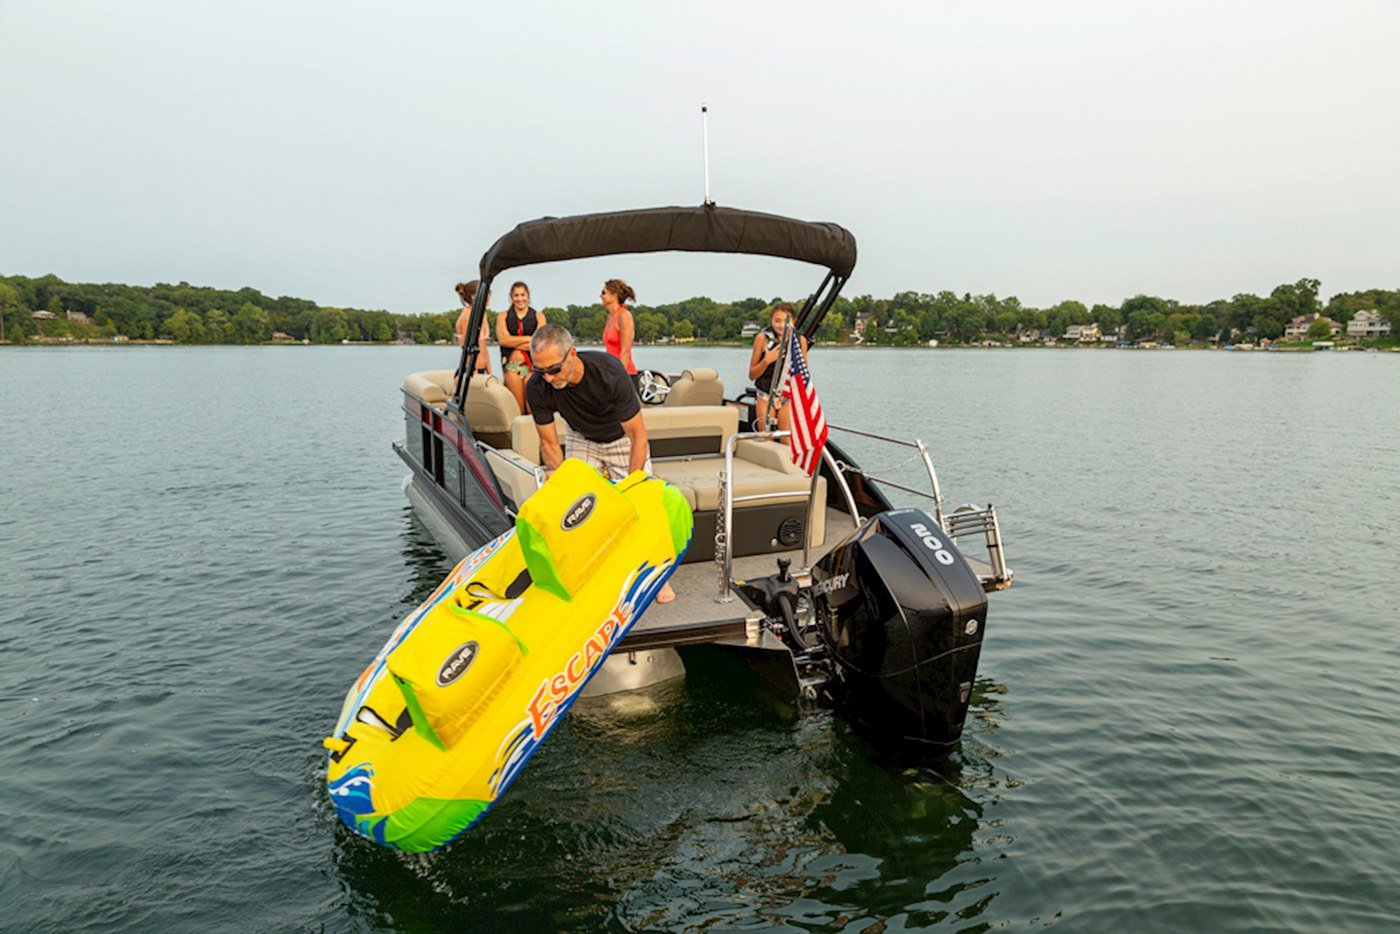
x,y
705,229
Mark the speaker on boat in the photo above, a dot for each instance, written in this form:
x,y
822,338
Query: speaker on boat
x,y
901,614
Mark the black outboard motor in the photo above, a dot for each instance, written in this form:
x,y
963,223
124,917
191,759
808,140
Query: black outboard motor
x,y
901,615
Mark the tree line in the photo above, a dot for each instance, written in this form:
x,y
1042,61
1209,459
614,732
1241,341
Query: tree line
x,y
188,314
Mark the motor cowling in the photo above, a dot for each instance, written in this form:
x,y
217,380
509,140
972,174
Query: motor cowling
x,y
901,614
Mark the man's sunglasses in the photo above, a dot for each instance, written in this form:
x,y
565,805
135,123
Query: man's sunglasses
x,y
550,370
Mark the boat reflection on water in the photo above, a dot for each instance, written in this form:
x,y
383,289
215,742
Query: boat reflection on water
x,y
705,801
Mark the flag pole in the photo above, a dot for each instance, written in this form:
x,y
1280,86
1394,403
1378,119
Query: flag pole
x,y
780,374
705,145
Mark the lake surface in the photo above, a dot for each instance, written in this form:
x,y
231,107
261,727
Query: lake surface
x,y
1187,717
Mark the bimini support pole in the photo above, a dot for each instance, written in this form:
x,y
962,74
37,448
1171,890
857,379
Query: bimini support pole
x,y
467,363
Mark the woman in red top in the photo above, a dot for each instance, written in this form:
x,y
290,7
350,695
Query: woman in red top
x,y
617,333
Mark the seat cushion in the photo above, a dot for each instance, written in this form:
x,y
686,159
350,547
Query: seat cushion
x,y
432,386
525,438
701,477
515,473
698,386
689,429
491,409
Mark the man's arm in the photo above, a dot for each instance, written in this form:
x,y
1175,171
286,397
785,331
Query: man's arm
x,y
636,431
550,451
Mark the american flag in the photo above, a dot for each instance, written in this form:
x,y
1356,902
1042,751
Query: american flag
x,y
808,422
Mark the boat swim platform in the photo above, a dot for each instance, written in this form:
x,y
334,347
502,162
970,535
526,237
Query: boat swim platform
x,y
695,617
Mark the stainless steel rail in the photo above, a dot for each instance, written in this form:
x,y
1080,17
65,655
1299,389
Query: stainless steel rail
x,y
856,518
964,520
937,492
724,550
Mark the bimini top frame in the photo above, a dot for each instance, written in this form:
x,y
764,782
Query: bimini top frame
x,y
704,229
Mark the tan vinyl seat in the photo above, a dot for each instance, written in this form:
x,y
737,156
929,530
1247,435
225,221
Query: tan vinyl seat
x,y
760,468
689,429
709,426
515,473
491,410
525,439
697,386
432,386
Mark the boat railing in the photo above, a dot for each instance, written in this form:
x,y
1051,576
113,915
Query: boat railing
x,y
724,553
965,520
934,492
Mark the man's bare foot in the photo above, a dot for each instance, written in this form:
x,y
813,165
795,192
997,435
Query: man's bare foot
x,y
666,595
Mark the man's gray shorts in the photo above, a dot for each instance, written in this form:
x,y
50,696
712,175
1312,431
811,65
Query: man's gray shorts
x,y
609,457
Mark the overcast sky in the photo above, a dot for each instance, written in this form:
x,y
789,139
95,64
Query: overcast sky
x,y
367,154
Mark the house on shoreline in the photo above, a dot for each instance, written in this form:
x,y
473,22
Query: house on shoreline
x,y
1297,329
1368,325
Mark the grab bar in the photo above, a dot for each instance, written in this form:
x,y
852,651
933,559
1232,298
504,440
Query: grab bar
x,y
724,552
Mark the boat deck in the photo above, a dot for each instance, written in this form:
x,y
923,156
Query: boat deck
x,y
696,617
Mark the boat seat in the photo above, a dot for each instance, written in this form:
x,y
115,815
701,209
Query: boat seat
x,y
432,386
760,468
525,440
696,429
491,410
696,386
689,429
515,473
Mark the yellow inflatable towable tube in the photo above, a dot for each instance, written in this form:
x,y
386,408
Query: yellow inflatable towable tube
x,y
471,682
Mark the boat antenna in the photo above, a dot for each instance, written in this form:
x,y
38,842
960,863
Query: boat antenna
x,y
705,145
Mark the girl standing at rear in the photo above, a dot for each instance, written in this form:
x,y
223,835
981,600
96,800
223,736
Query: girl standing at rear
x,y
466,291
618,332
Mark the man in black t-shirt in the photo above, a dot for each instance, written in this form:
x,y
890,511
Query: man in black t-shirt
x,y
595,395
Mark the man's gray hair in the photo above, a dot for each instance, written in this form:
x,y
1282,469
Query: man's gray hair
x,y
553,336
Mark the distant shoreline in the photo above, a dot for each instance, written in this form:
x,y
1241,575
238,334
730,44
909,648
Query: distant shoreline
x,y
1304,347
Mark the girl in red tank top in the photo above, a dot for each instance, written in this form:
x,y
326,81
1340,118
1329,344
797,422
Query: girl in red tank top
x,y
617,333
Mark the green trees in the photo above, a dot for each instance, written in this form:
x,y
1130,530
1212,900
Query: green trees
x,y
1300,298
1267,328
327,326
1146,316
217,327
250,325
1319,330
194,314
186,327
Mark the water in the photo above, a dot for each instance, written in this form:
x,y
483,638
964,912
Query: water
x,y
1187,715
